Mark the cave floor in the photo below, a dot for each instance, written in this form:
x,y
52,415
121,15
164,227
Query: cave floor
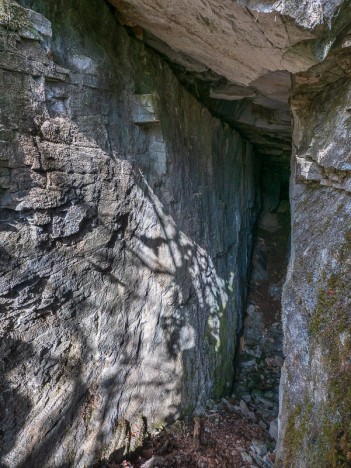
x,y
260,356
223,437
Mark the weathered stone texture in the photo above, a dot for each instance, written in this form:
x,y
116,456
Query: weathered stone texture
x,y
126,220
315,412
238,56
127,211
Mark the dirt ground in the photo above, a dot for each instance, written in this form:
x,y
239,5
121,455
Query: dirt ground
x,y
223,437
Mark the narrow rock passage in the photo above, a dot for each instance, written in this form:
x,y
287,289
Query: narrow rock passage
x,y
260,357
239,431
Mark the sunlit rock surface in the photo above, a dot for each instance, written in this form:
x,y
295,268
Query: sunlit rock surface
x,y
239,40
126,220
127,212
256,47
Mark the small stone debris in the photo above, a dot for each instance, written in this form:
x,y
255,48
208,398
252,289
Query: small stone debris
x,y
225,439
260,356
265,402
259,447
246,457
262,424
246,412
248,363
273,429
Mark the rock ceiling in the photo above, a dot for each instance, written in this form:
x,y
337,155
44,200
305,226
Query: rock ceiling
x,y
238,55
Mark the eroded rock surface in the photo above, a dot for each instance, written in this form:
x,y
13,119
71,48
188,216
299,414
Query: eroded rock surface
x,y
126,219
239,40
127,213
315,408
251,44
238,55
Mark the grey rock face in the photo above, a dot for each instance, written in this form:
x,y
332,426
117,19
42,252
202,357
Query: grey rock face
x,y
315,395
127,211
245,50
126,219
315,404
254,45
237,40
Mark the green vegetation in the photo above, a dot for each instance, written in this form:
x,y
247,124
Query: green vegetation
x,y
331,332
320,428
296,429
220,338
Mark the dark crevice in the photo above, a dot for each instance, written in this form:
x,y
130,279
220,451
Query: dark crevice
x,y
260,357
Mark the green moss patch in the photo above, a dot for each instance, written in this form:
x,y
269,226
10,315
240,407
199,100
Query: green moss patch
x,y
330,329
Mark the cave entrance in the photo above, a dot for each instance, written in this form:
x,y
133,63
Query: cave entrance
x,y
260,357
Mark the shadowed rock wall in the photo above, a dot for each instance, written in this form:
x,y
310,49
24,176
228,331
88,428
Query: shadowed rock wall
x,y
126,220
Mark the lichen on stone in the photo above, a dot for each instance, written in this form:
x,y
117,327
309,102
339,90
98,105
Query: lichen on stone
x,y
12,15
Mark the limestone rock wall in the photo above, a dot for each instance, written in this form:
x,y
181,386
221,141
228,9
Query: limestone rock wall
x,y
238,56
315,410
126,220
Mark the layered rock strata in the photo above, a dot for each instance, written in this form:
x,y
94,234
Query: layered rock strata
x,y
126,220
238,56
127,213
252,45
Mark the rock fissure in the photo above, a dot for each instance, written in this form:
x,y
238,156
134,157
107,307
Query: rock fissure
x,y
145,154
260,357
